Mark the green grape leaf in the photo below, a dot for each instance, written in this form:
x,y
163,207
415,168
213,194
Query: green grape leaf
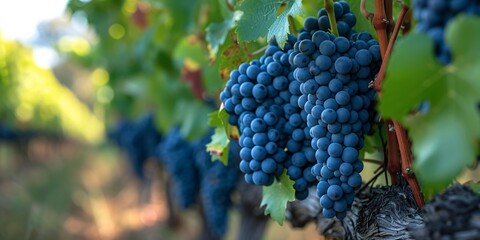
x,y
276,197
191,48
444,137
218,146
410,78
232,54
183,15
280,28
211,79
217,32
219,119
442,147
193,118
258,16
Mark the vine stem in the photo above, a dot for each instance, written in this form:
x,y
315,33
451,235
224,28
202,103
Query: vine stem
x,y
393,162
389,17
379,23
407,161
331,16
388,51
396,134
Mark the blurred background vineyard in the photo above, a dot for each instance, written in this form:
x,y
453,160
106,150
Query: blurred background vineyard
x,y
69,72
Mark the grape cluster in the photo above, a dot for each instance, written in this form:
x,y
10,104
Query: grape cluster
x,y
9,134
188,164
334,73
452,214
313,103
434,15
217,183
177,154
139,139
260,99
196,177
254,97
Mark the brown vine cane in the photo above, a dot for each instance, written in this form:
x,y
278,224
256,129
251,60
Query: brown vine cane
x,y
381,21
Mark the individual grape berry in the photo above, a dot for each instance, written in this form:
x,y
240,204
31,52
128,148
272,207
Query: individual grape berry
x,y
334,192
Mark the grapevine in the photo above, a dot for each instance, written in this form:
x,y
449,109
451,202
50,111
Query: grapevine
x,y
359,116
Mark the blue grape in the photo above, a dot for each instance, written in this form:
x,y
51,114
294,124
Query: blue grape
x,y
261,178
326,201
327,48
342,44
335,150
343,98
355,180
346,169
269,165
259,91
364,57
334,192
329,116
350,154
340,205
343,65
328,212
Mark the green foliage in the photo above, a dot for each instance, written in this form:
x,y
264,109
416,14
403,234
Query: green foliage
x,y
444,138
258,16
280,28
218,147
183,14
149,68
260,19
32,97
217,32
276,197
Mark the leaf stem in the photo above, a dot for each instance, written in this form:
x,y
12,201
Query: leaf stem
x,y
331,16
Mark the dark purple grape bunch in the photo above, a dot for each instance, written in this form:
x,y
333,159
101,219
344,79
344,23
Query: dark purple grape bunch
x,y
433,16
254,97
334,75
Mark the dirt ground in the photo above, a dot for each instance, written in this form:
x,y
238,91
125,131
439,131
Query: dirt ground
x,y
52,189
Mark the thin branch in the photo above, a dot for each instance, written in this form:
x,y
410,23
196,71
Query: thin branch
x,y
258,51
381,74
389,19
368,183
393,162
379,22
407,161
363,9
372,161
